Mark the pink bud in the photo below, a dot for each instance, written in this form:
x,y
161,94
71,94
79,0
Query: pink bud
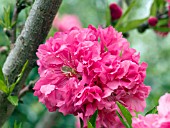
x,y
115,11
152,21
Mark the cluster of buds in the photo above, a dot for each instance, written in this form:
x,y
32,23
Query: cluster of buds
x,y
116,13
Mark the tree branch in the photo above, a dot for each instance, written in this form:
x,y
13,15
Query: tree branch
x,y
27,88
47,120
35,31
19,6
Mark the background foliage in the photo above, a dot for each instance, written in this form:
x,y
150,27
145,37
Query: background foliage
x,y
155,50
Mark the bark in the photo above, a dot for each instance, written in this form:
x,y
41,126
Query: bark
x,y
35,31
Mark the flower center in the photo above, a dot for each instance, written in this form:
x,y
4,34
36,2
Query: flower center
x,y
68,71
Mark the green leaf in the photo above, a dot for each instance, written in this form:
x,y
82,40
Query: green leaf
x,y
3,87
7,19
108,16
136,14
140,10
19,77
89,125
162,22
17,125
93,119
162,29
13,100
131,25
153,9
160,5
125,113
2,23
2,75
122,120
152,111
124,15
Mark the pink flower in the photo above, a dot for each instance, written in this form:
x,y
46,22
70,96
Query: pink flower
x,y
89,69
66,22
160,120
164,105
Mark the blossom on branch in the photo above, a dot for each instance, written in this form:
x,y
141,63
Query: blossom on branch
x,y
89,69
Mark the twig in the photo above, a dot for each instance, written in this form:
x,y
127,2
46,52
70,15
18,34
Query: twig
x,y
17,9
27,88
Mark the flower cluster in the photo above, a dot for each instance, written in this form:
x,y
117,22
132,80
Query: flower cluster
x,y
89,69
160,120
66,22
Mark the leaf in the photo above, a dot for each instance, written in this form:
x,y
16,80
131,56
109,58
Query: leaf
x,y
2,23
89,125
162,22
140,10
125,113
152,111
153,9
108,16
3,87
93,119
162,29
160,4
19,77
2,75
7,17
13,100
124,15
131,25
17,125
122,120
128,2
136,14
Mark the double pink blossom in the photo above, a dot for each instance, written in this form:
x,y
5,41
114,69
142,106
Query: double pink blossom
x,y
89,69
66,22
160,120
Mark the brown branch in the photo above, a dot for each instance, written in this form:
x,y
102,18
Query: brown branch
x,y
34,32
17,9
27,88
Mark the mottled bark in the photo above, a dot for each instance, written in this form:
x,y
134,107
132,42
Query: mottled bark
x,y
35,31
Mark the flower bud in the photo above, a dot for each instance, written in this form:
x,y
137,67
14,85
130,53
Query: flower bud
x,y
152,21
115,11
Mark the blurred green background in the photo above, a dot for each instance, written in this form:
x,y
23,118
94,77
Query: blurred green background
x,y
154,50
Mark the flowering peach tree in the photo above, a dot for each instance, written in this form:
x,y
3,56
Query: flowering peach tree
x,y
92,73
